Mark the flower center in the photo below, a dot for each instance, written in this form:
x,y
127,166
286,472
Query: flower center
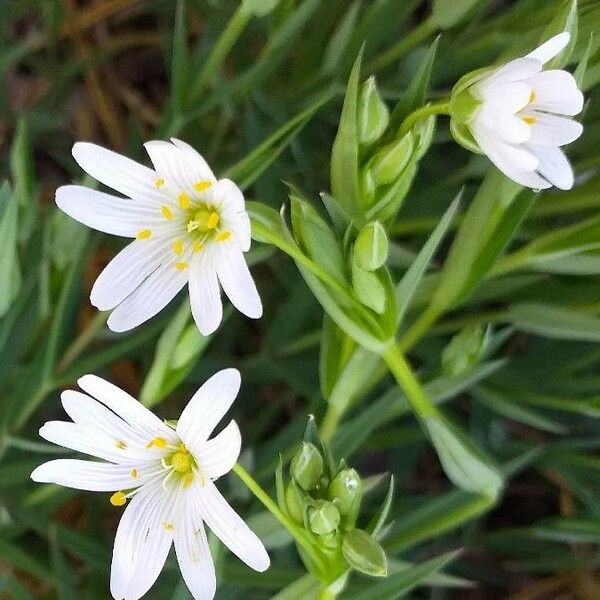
x,y
203,221
183,464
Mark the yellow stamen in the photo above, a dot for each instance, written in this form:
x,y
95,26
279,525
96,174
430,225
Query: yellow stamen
x,y
159,183
121,445
144,234
181,266
184,201
198,246
168,526
159,442
532,97
118,499
213,220
167,214
181,461
529,120
178,247
224,236
134,473
202,185
188,478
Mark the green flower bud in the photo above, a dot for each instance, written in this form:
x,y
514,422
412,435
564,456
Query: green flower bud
x,y
346,490
373,114
293,502
371,247
307,467
389,163
464,350
363,553
368,288
323,517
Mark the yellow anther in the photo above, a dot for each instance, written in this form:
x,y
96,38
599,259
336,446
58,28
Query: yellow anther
x,y
167,214
202,185
213,220
178,247
144,234
184,201
224,236
181,266
167,526
118,499
188,478
198,246
532,97
121,445
529,120
159,442
182,461
134,473
159,183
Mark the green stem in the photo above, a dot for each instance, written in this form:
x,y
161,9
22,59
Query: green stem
x,y
419,328
82,341
416,36
221,48
406,379
435,108
296,532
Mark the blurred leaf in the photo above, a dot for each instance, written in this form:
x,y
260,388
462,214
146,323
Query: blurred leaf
x,y
10,280
448,13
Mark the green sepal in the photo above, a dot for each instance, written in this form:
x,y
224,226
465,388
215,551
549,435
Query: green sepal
x,y
364,554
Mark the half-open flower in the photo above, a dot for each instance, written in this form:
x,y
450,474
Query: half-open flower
x,y
188,227
518,115
167,471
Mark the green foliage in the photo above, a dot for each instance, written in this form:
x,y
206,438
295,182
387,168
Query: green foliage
x,y
440,321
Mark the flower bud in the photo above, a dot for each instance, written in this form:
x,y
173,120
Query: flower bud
x,y
293,502
389,163
371,247
307,467
464,350
323,517
373,114
346,490
363,553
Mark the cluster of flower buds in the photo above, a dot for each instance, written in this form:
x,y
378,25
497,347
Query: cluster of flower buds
x,y
325,499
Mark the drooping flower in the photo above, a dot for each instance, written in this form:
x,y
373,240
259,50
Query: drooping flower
x,y
518,115
188,227
167,471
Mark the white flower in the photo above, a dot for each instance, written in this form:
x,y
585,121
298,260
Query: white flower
x,y
523,118
189,228
168,472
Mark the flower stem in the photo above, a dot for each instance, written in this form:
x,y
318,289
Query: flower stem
x,y
406,379
435,108
419,328
296,532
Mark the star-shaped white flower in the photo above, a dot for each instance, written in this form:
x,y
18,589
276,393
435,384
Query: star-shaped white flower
x,y
522,120
188,227
167,472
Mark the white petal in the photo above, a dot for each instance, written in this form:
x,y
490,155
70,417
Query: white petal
x,y
233,212
230,195
87,411
548,50
551,130
205,294
85,439
118,172
509,97
510,159
126,406
87,475
149,298
127,270
515,70
554,166
142,542
207,407
237,282
556,92
193,552
502,125
118,216
181,167
218,455
227,525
